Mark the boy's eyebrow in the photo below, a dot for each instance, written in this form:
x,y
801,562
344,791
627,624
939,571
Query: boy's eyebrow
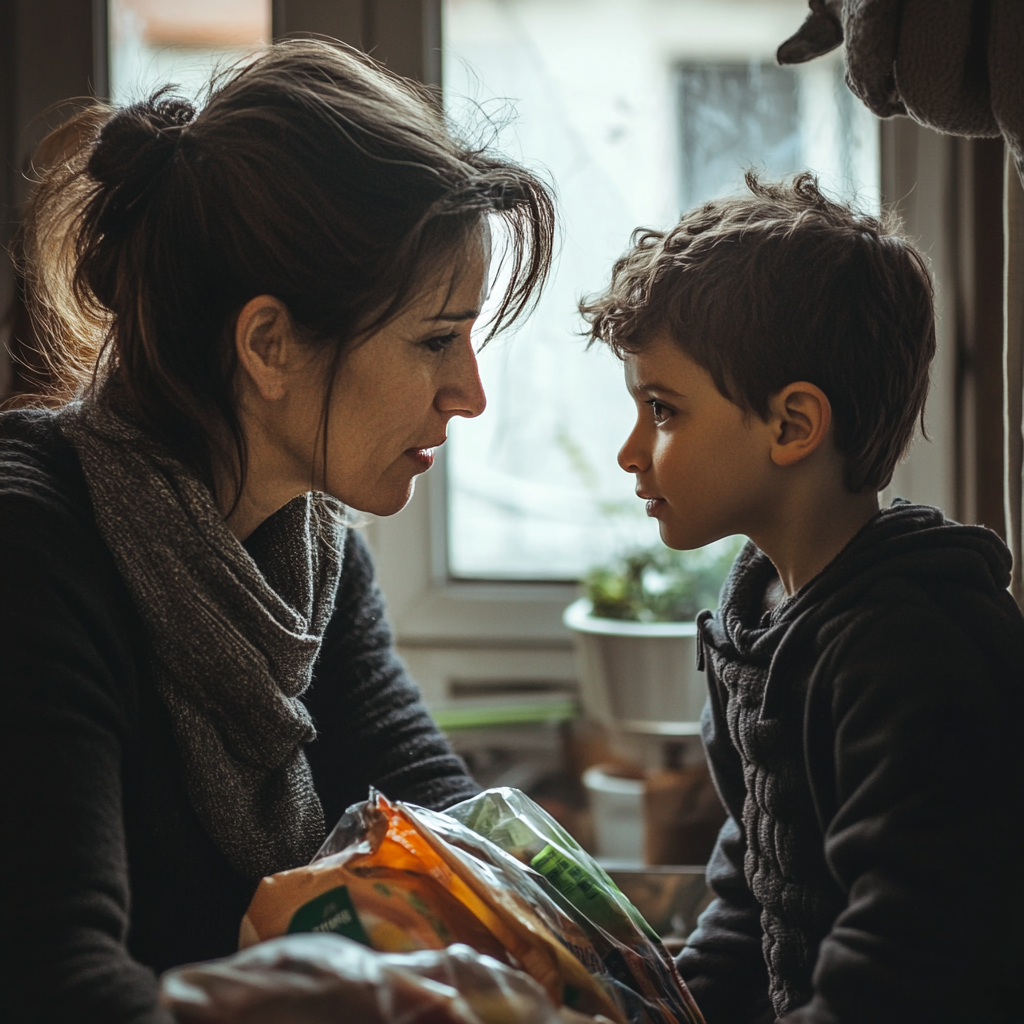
x,y
658,386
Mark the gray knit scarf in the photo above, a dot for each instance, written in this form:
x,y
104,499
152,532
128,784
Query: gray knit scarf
x,y
232,646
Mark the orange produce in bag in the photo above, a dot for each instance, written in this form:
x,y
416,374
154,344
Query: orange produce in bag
x,y
400,887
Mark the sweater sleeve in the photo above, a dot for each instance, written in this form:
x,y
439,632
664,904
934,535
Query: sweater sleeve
x,y
722,962
372,725
63,865
909,708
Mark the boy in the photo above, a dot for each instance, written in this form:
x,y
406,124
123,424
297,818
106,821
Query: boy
x,y
865,668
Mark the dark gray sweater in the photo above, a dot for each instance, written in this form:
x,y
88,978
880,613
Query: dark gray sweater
x,y
106,875
865,737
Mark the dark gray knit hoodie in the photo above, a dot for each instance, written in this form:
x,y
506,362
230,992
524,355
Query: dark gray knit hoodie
x,y
865,737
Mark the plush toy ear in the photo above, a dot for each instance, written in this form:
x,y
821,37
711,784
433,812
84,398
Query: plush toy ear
x,y
820,33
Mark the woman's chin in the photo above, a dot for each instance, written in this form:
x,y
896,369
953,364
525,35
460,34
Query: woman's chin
x,y
384,503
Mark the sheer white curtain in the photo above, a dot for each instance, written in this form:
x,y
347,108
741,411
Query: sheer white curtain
x,y
1013,367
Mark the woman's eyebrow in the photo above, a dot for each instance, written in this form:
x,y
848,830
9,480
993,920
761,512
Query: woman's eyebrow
x,y
466,314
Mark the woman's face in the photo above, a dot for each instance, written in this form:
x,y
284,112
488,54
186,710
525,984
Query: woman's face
x,y
393,395
396,392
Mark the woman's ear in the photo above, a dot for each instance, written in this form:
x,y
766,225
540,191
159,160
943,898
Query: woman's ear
x,y
800,416
266,345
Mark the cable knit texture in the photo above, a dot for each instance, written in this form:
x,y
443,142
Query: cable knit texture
x,y
107,873
864,738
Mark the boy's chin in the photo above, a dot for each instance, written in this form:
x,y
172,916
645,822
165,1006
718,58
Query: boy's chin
x,y
676,538
683,538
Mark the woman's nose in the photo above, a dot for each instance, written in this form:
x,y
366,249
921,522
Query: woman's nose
x,y
463,392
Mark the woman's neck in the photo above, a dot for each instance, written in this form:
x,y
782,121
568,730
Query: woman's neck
x,y
266,487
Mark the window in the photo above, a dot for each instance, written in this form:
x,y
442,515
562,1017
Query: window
x,y
153,42
637,110
734,114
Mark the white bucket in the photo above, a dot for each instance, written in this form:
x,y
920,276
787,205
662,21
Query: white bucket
x,y
617,805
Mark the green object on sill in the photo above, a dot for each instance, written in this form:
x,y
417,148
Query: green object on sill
x,y
660,585
482,716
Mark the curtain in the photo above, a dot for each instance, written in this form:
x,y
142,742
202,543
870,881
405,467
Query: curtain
x,y
1013,367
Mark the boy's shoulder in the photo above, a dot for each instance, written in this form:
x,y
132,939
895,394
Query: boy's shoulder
x,y
907,557
912,596
916,614
912,557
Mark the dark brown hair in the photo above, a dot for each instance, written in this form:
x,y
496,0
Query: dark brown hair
x,y
311,174
784,285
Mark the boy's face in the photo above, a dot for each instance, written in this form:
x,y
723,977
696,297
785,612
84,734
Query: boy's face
x,y
702,464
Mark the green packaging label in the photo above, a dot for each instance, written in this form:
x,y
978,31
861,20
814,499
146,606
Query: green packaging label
x,y
577,886
595,897
331,911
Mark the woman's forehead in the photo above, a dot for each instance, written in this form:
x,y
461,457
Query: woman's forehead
x,y
458,288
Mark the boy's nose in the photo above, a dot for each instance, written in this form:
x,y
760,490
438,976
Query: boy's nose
x,y
631,457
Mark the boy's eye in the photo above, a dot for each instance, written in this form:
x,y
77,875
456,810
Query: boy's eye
x,y
441,342
659,410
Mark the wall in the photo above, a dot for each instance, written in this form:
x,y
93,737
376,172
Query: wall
x,y
50,52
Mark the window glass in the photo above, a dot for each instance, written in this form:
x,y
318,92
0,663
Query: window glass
x,y
179,42
636,110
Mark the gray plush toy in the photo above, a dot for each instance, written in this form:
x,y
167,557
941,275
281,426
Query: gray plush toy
x,y
955,66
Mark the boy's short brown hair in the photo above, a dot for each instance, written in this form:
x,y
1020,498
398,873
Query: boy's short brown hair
x,y
784,285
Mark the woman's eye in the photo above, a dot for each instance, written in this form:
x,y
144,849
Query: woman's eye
x,y
441,342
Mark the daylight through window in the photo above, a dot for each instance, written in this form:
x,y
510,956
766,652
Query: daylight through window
x,y
636,109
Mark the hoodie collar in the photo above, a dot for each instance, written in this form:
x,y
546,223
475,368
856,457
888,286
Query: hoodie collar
x,y
902,540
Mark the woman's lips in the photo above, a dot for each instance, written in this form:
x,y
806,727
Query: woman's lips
x,y
423,457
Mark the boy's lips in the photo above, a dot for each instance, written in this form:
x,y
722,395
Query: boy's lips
x,y
654,503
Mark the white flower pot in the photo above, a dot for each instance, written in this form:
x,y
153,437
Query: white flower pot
x,y
617,804
638,677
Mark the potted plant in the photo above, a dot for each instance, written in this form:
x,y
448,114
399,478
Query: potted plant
x,y
636,637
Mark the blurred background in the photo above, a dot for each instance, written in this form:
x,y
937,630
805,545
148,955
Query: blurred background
x,y
635,110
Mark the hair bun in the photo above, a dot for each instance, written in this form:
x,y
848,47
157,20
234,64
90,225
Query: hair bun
x,y
136,144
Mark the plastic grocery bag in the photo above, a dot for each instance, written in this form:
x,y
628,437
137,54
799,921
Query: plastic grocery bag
x,y
641,970
400,877
522,828
324,979
396,887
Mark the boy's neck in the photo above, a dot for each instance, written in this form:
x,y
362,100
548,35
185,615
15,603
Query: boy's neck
x,y
809,527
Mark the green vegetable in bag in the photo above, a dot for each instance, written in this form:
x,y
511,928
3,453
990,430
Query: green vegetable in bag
x,y
630,950
511,820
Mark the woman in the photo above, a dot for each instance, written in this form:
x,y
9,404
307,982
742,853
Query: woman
x,y
197,673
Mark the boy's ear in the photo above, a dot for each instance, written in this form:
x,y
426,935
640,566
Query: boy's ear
x,y
266,345
800,416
